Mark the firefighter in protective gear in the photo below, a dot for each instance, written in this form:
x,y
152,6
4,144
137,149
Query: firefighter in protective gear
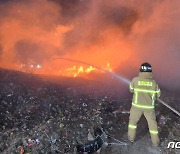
x,y
145,91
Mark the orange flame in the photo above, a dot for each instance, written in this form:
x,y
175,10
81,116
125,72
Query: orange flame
x,y
75,71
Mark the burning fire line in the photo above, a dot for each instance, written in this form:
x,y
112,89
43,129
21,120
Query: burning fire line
x,y
97,67
76,71
73,71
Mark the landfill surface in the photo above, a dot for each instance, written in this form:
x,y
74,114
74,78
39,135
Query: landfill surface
x,y
48,116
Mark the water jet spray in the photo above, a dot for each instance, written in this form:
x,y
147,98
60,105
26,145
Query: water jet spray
x,y
118,77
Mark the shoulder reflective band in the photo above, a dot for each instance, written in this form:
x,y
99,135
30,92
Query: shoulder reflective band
x,y
146,91
145,83
158,91
153,132
142,106
132,126
131,87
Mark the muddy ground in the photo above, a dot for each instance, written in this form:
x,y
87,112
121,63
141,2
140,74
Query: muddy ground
x,y
42,115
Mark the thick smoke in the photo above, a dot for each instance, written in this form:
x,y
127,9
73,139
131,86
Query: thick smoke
x,y
124,33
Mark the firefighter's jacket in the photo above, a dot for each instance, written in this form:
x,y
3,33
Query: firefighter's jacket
x,y
145,90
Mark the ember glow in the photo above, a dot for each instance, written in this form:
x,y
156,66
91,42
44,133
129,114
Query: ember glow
x,y
77,71
73,71
124,33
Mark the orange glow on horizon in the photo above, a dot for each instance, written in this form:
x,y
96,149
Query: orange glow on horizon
x,y
73,71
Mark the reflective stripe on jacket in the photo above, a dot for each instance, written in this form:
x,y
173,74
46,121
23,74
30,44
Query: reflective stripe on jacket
x,y
145,90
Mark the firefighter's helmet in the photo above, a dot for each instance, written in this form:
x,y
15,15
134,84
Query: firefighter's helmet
x,y
145,67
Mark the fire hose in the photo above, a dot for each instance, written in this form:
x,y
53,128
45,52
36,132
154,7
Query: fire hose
x,y
169,107
119,78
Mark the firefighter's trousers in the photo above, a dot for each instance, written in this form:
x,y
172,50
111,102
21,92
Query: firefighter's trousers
x,y
135,115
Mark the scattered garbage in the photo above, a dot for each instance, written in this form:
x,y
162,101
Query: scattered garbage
x,y
39,116
21,150
93,145
33,142
90,136
61,125
54,138
81,125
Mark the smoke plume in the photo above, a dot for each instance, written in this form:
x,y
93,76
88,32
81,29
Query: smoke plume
x,y
124,33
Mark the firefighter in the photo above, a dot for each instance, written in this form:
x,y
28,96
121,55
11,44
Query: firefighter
x,y
145,91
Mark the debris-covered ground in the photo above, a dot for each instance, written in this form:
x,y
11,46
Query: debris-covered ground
x,y
40,116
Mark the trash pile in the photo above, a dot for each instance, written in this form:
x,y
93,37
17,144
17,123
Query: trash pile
x,y
39,116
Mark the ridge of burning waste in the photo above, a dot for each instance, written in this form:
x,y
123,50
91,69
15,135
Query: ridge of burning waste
x,y
72,71
80,71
